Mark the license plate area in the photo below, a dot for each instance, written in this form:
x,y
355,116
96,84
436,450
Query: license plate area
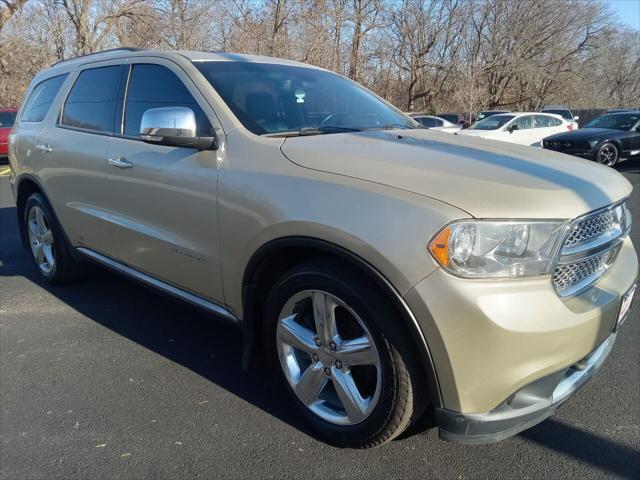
x,y
625,305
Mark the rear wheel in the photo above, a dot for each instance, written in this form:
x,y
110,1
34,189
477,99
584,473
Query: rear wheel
x,y
607,154
47,244
334,344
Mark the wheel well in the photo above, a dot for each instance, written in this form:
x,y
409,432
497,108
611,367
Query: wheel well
x,y
25,189
274,259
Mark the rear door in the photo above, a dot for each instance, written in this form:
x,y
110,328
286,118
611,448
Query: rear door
x,y
164,201
76,150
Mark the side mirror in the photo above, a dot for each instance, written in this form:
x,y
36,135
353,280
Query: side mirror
x,y
576,117
173,127
513,128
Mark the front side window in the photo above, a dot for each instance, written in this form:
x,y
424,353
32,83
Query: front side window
x,y
91,104
155,86
494,122
617,121
274,98
41,99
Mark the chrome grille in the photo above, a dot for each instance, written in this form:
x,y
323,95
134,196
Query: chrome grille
x,y
591,227
568,276
590,248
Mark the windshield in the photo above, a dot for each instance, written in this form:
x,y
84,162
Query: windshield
x,y
482,115
566,114
6,119
272,99
493,122
617,121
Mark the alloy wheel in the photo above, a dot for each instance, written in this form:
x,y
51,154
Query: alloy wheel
x,y
41,239
608,155
329,357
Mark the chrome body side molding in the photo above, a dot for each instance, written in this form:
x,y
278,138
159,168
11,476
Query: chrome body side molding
x,y
195,300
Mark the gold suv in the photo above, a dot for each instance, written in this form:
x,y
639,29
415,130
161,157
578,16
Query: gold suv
x,y
382,268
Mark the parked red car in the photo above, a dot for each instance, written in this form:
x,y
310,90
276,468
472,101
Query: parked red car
x,y
7,116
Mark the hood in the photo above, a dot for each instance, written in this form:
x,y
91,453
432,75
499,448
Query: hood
x,y
586,134
485,178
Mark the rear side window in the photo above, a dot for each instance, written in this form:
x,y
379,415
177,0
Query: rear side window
x,y
155,86
6,119
91,104
41,99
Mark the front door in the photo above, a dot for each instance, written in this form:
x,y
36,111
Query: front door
x,y
164,199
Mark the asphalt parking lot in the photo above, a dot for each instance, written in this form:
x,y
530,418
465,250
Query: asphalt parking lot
x,y
108,379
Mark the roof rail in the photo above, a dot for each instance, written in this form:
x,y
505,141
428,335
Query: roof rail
x,y
124,49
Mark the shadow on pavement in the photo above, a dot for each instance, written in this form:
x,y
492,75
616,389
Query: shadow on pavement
x,y
586,447
629,166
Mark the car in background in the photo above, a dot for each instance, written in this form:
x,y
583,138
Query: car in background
x,y
488,113
524,128
7,117
622,110
565,113
456,118
606,139
435,123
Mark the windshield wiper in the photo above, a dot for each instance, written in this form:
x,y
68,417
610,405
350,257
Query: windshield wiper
x,y
393,126
307,131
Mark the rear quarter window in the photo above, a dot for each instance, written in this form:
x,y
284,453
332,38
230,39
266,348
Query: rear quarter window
x,y
41,98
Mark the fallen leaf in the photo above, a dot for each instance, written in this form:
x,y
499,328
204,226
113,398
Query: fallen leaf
x,y
101,445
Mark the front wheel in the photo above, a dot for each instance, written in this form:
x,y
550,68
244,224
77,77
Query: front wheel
x,y
607,154
336,347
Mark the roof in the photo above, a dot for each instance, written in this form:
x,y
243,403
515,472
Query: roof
x,y
193,56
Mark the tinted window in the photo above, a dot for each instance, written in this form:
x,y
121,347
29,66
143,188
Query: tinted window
x,y
155,86
450,118
41,98
566,114
427,122
271,98
6,119
91,104
616,121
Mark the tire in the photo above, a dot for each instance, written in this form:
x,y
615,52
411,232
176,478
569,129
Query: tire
x,y
47,243
393,389
607,154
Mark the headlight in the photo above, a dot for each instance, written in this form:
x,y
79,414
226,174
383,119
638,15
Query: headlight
x,y
497,249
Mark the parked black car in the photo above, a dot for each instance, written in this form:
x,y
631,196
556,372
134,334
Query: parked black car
x,y
606,139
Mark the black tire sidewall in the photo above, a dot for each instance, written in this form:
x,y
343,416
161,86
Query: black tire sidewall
x,y
601,147
367,303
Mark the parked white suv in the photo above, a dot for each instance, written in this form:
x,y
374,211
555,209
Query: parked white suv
x,y
523,128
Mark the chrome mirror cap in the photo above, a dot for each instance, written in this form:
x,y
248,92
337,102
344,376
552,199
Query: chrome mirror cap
x,y
173,126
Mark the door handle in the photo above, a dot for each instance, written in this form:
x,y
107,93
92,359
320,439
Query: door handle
x,y
45,147
120,162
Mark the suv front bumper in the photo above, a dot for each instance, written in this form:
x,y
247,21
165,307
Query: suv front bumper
x,y
500,349
529,406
